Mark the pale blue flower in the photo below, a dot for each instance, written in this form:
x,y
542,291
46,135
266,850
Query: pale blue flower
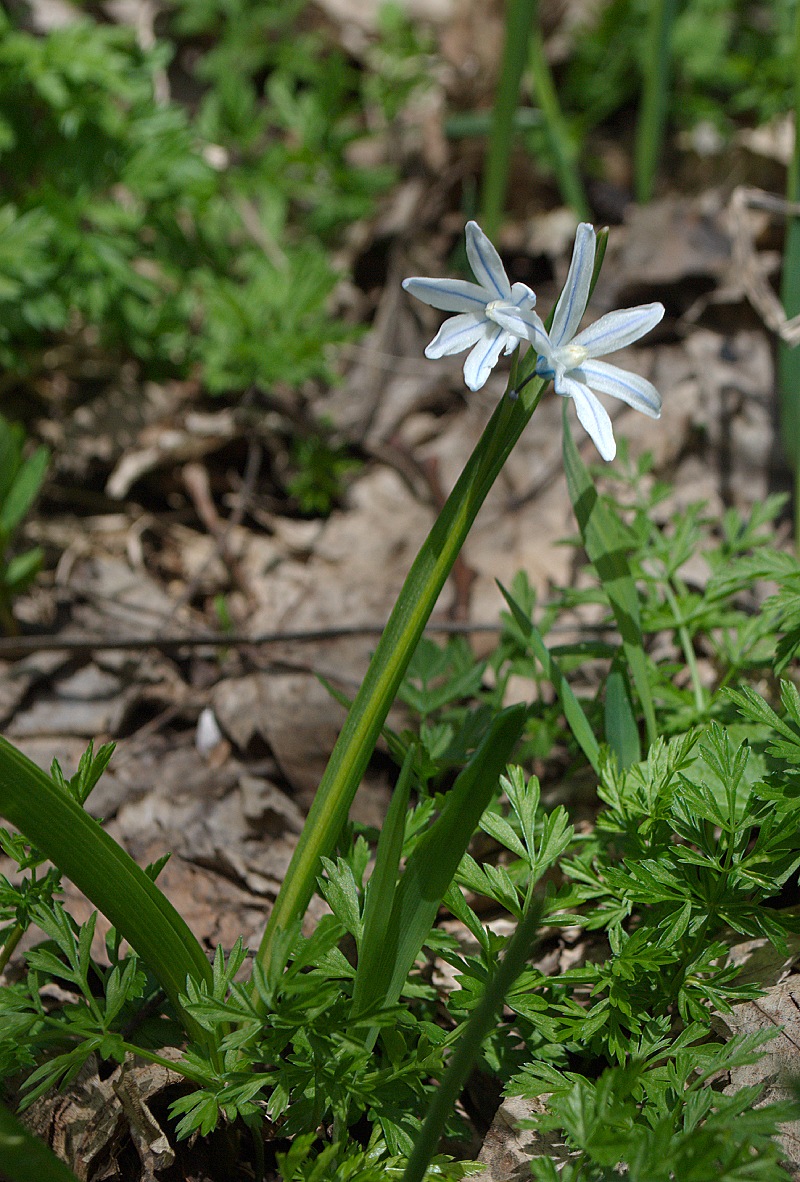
x,y
477,327
568,357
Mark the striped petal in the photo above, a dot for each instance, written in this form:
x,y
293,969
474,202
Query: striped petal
x,y
457,334
451,295
522,296
523,323
575,296
484,357
593,417
615,330
621,383
485,262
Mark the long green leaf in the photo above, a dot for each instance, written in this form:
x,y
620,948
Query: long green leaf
x,y
480,1024
573,711
381,887
520,15
23,1158
606,545
622,733
394,650
434,860
106,874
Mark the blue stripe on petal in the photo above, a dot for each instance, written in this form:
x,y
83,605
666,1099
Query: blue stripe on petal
x,y
617,329
457,334
483,359
631,388
485,262
450,295
575,296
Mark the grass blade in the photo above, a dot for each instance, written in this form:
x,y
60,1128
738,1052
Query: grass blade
x,y
519,23
382,886
434,860
655,94
606,545
565,158
24,1158
481,1022
106,874
573,711
622,733
789,358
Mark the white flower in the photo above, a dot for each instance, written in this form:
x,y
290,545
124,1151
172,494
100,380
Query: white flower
x,y
568,356
477,327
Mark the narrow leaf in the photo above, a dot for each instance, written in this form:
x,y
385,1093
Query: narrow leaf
x,y
606,545
573,711
432,865
381,886
26,1159
622,733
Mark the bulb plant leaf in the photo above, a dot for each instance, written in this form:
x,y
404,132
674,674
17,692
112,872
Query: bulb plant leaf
x,y
58,827
606,544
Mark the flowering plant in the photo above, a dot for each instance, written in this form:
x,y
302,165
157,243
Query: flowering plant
x,y
567,356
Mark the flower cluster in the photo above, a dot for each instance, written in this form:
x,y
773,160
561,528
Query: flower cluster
x,y
496,315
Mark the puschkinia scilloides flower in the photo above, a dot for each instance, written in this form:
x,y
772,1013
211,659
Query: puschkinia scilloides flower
x,y
568,357
477,327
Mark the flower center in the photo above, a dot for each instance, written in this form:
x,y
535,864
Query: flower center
x,y
571,356
493,305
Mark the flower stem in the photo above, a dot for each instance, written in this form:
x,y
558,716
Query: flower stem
x,y
395,648
561,145
519,23
481,1022
788,358
655,90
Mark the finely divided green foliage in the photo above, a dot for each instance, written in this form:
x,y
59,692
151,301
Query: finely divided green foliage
x,y
186,243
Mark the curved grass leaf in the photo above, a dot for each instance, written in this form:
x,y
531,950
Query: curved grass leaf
x,y
23,1158
106,874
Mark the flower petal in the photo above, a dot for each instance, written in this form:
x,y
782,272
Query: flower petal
x,y
451,295
522,296
457,334
621,383
575,296
484,358
485,262
593,417
615,330
525,324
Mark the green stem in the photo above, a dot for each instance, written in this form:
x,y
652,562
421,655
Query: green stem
x,y
564,155
480,1024
655,90
789,358
395,648
8,948
688,649
519,23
